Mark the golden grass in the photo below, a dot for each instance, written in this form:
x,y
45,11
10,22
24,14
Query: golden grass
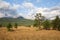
x,y
27,33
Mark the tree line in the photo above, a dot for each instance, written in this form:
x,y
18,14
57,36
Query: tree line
x,y
46,23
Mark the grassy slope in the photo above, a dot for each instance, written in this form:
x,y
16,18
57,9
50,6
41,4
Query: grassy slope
x,y
5,21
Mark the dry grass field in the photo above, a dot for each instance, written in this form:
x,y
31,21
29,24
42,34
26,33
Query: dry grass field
x,y
27,33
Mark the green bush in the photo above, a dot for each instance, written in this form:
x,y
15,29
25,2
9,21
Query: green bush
x,y
0,25
46,24
56,23
16,25
9,27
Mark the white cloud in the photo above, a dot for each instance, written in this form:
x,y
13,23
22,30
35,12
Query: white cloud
x,y
6,9
27,5
1,0
51,12
29,10
4,4
1,15
15,6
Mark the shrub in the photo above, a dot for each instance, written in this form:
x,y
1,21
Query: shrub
x,y
16,25
46,24
9,26
0,25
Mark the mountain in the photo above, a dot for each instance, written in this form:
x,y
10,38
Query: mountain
x,y
20,17
19,20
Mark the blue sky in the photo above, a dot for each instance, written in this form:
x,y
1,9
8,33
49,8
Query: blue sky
x,y
38,3
27,8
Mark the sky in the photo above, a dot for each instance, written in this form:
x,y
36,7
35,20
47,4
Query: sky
x,y
29,8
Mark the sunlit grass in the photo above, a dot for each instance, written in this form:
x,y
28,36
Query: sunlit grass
x,y
29,33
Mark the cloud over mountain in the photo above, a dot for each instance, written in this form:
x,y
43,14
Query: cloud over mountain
x,y
26,9
8,10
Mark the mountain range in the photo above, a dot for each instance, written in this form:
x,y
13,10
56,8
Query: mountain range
x,y
21,21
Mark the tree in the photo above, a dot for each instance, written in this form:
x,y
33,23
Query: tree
x,y
0,25
16,25
9,26
59,26
46,24
56,23
38,20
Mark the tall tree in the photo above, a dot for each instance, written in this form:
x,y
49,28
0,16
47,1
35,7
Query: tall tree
x,y
56,23
38,20
46,24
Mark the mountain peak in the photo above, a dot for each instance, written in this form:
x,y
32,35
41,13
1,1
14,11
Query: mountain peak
x,y
20,17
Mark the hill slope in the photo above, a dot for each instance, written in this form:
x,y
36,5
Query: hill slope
x,y
20,21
